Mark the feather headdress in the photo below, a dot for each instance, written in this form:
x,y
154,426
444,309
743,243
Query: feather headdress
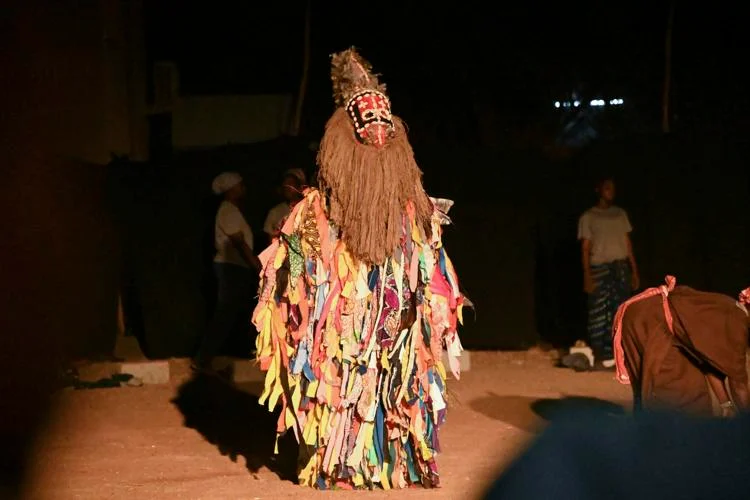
x,y
351,74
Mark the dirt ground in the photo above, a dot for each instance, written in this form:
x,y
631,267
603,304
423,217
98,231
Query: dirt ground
x,y
204,439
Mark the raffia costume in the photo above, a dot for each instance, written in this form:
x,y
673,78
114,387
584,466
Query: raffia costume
x,y
358,301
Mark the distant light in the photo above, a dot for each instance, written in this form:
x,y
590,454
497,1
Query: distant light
x,y
594,103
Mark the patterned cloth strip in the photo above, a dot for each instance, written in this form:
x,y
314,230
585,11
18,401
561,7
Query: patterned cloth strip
x,y
363,393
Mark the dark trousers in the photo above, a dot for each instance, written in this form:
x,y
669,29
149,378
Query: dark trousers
x,y
612,282
236,286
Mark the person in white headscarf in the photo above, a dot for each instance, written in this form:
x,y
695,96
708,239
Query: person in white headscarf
x,y
293,185
236,267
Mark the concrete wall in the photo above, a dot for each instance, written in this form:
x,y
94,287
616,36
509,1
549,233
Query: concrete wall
x,y
207,121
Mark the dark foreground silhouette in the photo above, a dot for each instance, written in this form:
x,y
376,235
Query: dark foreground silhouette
x,y
586,455
236,424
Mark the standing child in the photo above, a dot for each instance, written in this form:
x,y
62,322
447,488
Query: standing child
x,y
610,273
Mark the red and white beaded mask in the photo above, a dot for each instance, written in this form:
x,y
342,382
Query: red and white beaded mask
x,y
370,112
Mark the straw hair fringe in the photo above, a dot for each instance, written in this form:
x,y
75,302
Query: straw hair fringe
x,y
368,189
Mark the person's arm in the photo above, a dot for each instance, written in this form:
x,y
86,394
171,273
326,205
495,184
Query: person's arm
x,y
584,235
276,232
269,226
738,380
238,239
636,277
740,394
716,383
588,281
233,224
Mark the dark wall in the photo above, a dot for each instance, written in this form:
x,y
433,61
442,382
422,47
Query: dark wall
x,y
684,196
166,215
58,259
491,240
513,239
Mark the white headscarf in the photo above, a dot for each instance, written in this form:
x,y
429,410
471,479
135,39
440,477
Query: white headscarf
x,y
225,181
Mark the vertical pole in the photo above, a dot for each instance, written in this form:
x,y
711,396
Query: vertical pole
x,y
305,71
667,71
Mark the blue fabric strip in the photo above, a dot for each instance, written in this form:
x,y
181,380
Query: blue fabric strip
x,y
307,370
379,424
410,459
372,280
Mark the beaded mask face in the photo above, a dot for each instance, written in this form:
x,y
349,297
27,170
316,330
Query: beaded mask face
x,y
370,112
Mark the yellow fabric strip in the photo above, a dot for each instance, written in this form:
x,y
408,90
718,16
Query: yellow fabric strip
x,y
364,436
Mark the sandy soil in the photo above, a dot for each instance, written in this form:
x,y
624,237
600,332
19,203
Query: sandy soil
x,y
208,440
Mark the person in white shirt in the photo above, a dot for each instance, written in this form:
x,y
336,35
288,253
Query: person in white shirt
x,y
610,273
291,189
236,267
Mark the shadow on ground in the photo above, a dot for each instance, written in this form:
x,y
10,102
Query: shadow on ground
x,y
513,410
233,421
530,414
551,409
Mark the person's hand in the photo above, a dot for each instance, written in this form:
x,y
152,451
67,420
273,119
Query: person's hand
x,y
728,413
728,410
588,284
635,281
237,238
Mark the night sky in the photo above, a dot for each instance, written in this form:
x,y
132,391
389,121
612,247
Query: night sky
x,y
516,59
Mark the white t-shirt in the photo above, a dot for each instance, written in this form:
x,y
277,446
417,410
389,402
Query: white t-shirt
x,y
607,230
229,220
274,218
